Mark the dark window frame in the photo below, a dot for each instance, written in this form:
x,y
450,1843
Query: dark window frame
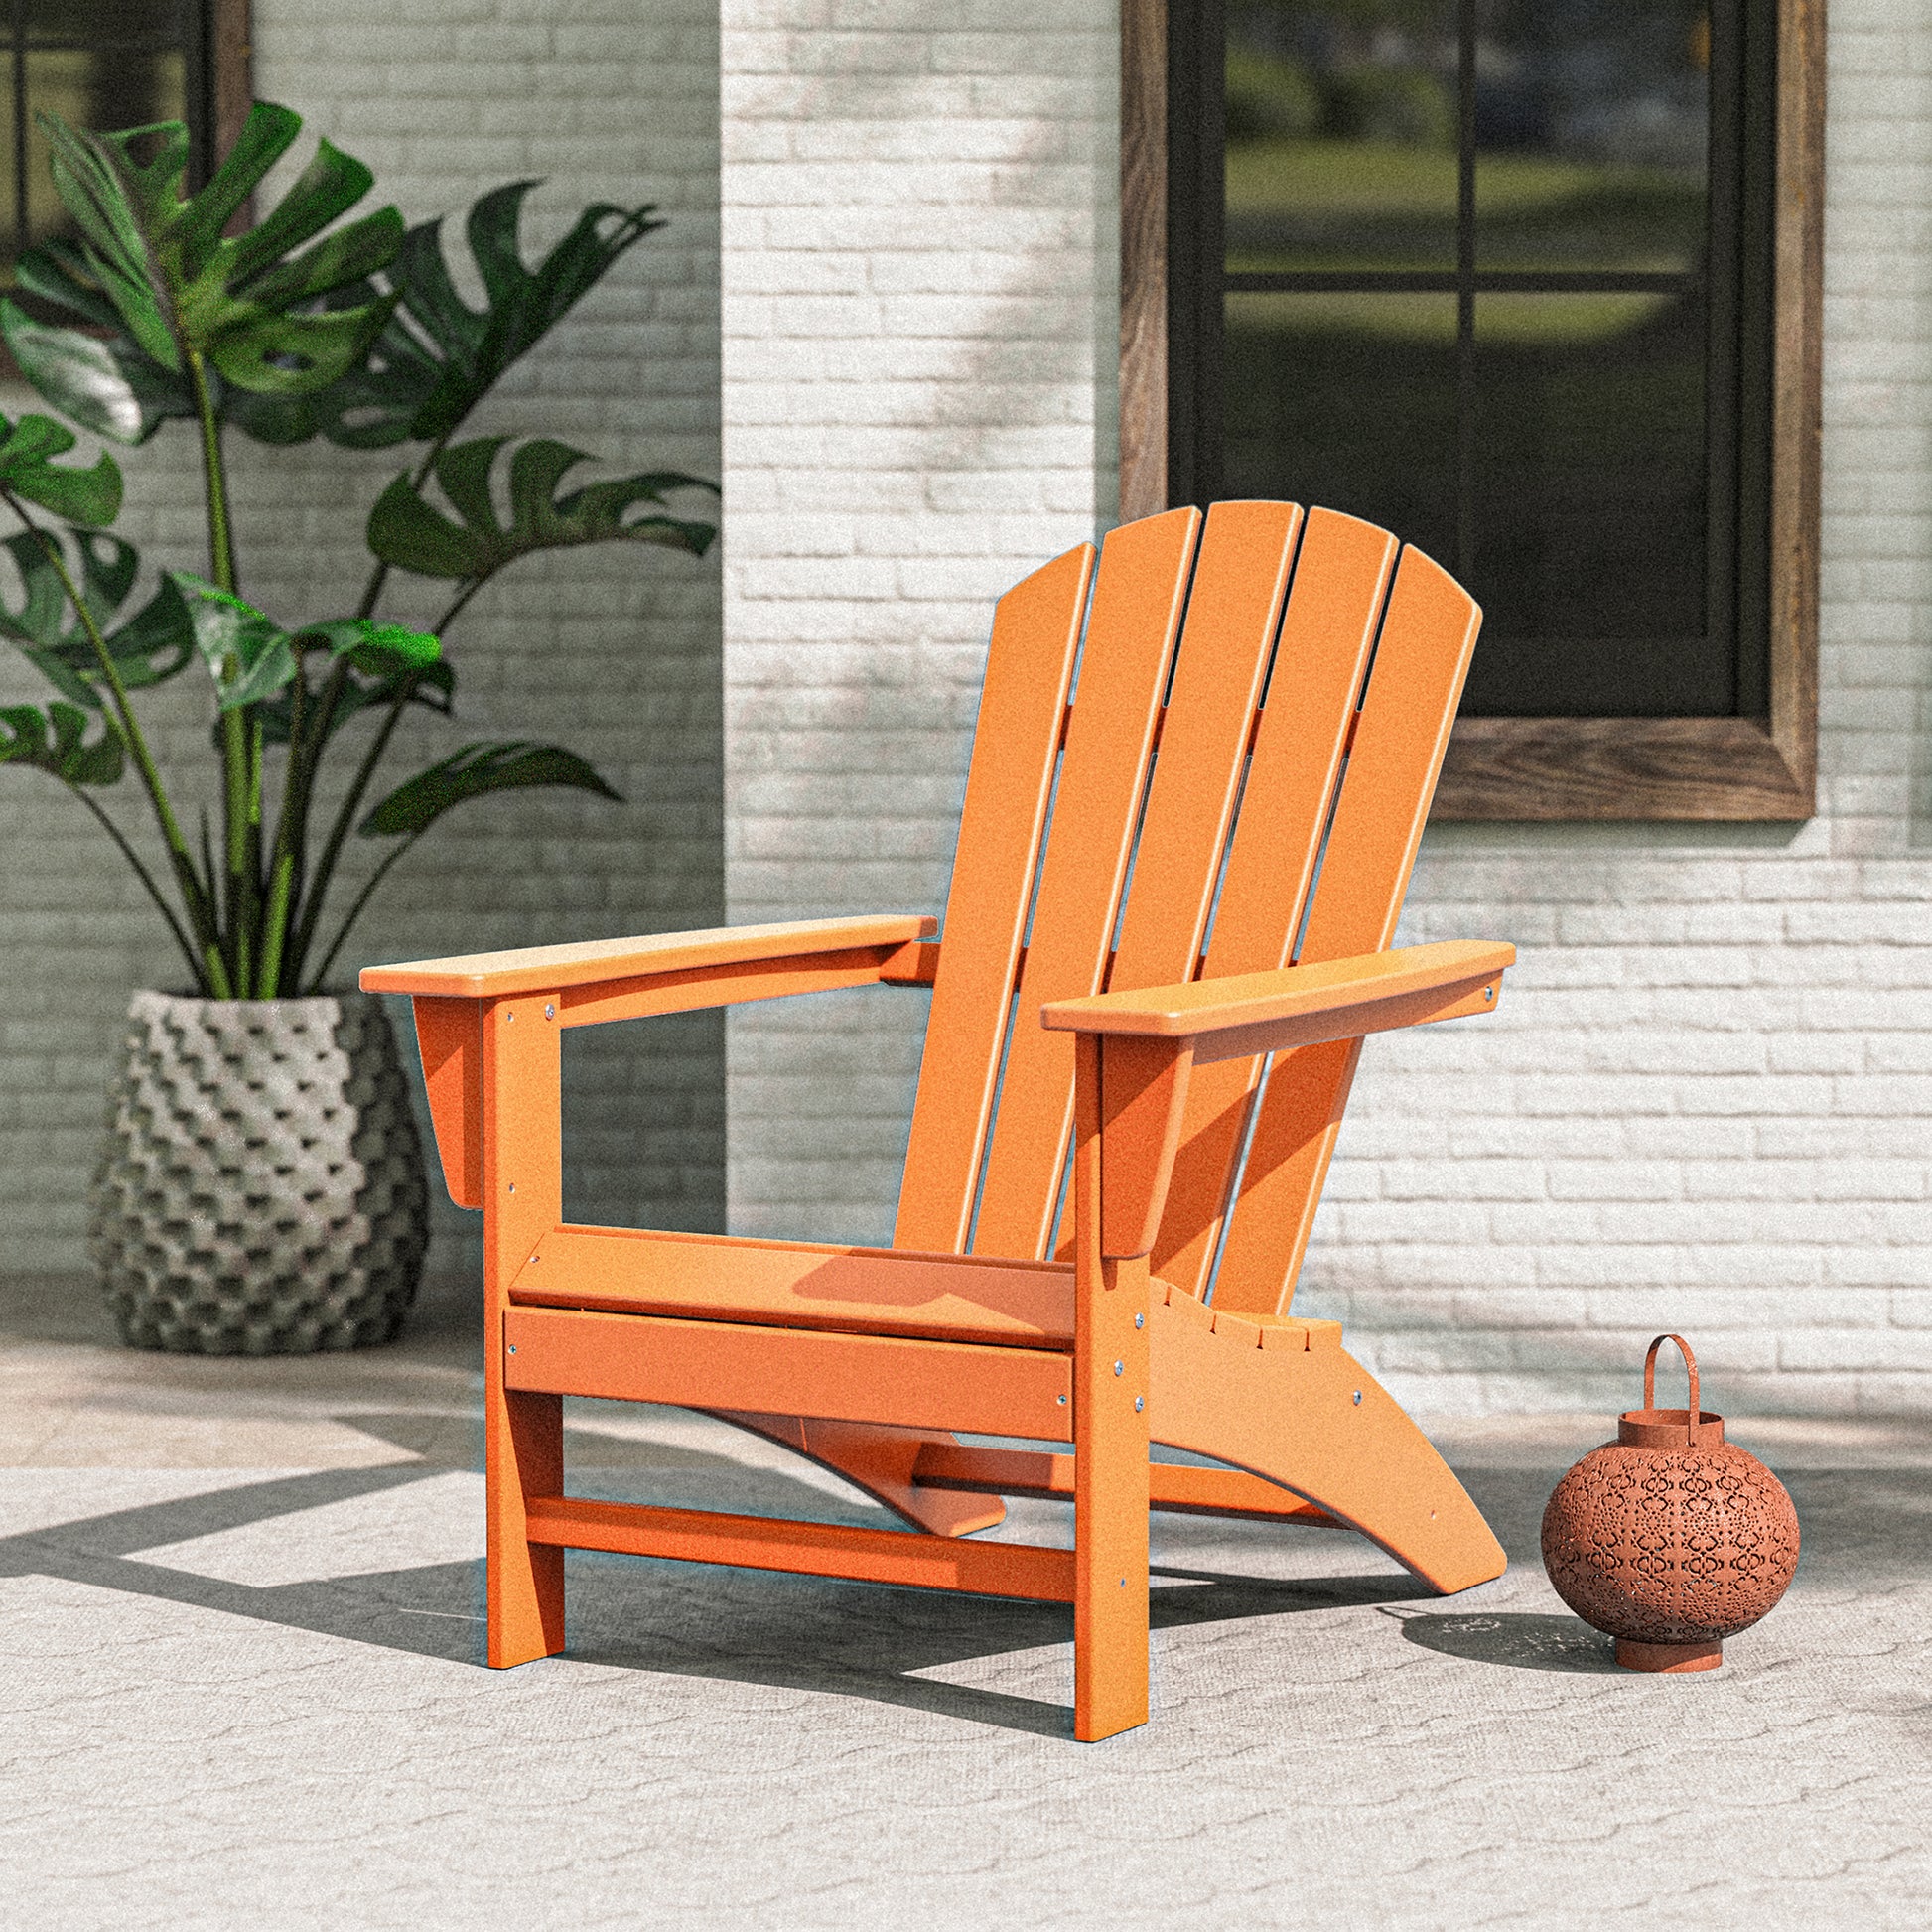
x,y
1759,767
219,79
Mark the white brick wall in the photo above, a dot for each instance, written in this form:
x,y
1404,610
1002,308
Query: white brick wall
x,y
613,652
918,334
1708,1100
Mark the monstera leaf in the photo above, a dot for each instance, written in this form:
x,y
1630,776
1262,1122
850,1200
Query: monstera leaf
x,y
408,531
472,772
153,645
433,689
249,654
420,375
154,271
253,660
27,468
437,357
55,741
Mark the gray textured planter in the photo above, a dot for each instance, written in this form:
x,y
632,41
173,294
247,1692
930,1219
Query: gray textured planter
x,y
261,1188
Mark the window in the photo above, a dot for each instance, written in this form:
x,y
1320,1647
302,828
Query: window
x,y
1535,284
112,63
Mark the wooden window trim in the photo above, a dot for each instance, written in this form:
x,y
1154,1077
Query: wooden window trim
x,y
230,83
1726,768
232,58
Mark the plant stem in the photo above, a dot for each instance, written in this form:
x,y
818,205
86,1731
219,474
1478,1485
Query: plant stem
x,y
196,900
240,733
355,912
338,830
283,866
319,732
146,877
221,536
380,574
471,587
325,869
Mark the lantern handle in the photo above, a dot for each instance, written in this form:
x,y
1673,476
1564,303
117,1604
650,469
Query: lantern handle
x,y
1650,1382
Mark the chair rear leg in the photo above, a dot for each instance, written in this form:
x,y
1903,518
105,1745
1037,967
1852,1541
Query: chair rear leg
x,y
523,1455
1315,1420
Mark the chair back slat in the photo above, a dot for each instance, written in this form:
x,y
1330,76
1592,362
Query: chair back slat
x,y
1342,580
1037,630
1413,686
1278,751
1137,597
1233,613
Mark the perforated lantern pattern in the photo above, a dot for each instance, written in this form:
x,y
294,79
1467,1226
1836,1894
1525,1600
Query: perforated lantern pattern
x,y
1667,1542
1658,1547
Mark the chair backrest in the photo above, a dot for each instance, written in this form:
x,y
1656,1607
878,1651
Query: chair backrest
x,y
1215,752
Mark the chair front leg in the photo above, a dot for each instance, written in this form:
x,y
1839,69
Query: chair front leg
x,y
524,1434
1110,1448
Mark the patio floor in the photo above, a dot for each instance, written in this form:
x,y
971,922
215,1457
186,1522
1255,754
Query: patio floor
x,y
240,1613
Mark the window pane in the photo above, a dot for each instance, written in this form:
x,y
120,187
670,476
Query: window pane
x,y
1592,123
98,63
1342,129
1347,401
1591,515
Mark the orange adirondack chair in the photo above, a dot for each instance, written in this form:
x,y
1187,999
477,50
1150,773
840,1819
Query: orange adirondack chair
x,y
1259,776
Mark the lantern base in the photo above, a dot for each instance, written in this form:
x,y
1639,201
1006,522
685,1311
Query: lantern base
x,y
1673,1657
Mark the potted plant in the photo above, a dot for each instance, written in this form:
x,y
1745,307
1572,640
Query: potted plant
x,y
261,1184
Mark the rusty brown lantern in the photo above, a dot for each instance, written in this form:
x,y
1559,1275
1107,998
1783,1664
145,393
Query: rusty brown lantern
x,y
1670,1539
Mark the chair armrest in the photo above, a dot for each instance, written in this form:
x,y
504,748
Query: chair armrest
x,y
555,969
1138,1051
623,979
1298,1006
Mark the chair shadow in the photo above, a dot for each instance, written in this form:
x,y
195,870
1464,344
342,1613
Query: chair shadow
x,y
1518,1639
786,1631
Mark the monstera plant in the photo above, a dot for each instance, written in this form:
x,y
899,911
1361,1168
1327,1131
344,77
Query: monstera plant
x,y
171,306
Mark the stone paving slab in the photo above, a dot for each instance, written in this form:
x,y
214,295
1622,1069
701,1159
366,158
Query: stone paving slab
x,y
250,1696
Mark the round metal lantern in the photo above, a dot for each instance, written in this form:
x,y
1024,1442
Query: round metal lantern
x,y
1670,1539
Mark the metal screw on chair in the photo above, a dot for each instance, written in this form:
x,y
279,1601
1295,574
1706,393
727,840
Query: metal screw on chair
x,y
1140,1403
1359,1398
1139,1321
1488,992
1120,1369
513,1187
549,1011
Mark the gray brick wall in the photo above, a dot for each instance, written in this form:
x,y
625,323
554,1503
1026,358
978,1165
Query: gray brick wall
x,y
1707,1102
614,653
917,318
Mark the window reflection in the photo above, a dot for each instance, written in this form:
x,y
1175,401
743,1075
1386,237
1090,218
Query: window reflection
x,y
1469,299
1347,401
98,63
1590,122
1341,134
1591,126
1588,504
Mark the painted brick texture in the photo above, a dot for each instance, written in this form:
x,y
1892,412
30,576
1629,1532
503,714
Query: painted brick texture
x,y
1706,1101
613,652
918,331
